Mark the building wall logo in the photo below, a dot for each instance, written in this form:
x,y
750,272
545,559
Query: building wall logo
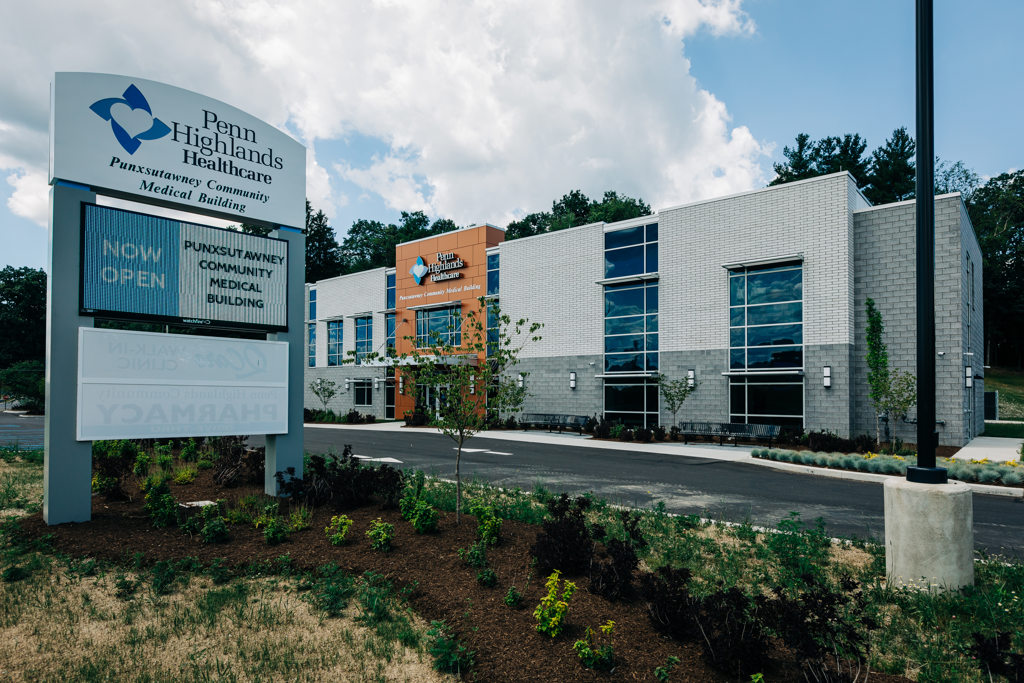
x,y
418,270
131,119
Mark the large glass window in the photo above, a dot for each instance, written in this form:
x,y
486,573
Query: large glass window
x,y
631,251
631,327
631,400
312,304
390,291
767,399
311,344
389,394
493,327
766,318
334,338
364,337
492,274
363,389
389,324
439,326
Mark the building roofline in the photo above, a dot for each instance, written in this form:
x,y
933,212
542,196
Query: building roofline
x,y
770,188
450,232
907,202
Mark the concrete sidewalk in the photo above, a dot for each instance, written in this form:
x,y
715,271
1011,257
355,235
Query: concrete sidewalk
x,y
703,450
992,448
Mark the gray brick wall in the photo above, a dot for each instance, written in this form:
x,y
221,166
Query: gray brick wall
x,y
885,271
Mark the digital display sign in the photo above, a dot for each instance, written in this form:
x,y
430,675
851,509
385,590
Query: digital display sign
x,y
152,268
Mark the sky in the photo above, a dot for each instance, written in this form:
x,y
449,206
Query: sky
x,y
485,111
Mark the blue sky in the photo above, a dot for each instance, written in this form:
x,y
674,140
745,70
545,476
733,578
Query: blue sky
x,y
485,112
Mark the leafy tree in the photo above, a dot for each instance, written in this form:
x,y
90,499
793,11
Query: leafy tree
x,y
893,177
955,177
613,208
892,392
473,389
527,226
322,257
371,244
251,229
800,161
675,392
324,389
22,315
25,381
575,209
997,212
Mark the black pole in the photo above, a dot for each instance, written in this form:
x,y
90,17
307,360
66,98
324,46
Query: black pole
x,y
927,437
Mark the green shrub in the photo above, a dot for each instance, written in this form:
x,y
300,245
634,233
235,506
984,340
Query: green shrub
x,y
381,534
616,431
593,655
185,475
275,531
141,466
300,519
159,504
475,555
214,529
189,451
112,462
331,591
337,529
488,524
550,613
487,578
450,656
424,518
513,598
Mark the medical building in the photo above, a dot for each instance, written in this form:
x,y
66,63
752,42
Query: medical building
x,y
759,297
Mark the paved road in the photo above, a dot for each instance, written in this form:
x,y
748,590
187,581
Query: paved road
x,y
713,488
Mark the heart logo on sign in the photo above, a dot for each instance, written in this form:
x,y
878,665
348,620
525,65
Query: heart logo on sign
x,y
418,270
131,118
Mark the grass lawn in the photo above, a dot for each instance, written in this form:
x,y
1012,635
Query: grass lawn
x,y
1009,431
1010,385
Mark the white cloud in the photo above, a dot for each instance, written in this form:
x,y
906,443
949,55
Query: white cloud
x,y
31,196
488,109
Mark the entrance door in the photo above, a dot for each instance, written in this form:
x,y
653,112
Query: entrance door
x,y
434,397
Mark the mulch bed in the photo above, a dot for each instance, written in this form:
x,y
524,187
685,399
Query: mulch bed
x,y
507,645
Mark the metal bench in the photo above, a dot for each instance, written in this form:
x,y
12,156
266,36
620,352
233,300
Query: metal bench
x,y
554,421
731,430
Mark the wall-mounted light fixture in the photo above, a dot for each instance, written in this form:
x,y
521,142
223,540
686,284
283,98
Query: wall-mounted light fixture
x,y
472,384
968,377
347,382
401,384
826,376
376,383
519,380
572,380
691,377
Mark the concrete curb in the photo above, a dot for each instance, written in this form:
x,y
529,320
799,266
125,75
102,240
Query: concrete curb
x,y
710,452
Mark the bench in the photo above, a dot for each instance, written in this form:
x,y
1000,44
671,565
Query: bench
x,y
553,421
732,430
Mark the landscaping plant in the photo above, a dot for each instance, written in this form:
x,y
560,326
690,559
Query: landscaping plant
x,y
381,535
600,656
550,613
450,656
338,529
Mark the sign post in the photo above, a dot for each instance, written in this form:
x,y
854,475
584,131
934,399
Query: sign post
x,y
160,145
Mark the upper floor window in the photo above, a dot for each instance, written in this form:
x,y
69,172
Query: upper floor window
x,y
364,337
311,344
492,274
390,291
631,327
442,326
389,324
334,338
631,251
312,304
766,318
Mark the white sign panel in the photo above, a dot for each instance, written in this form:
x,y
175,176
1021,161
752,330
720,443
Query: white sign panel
x,y
140,137
142,385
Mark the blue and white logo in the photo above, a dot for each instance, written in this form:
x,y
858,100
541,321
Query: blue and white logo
x,y
419,270
130,118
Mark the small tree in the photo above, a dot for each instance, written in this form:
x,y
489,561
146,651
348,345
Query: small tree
x,y
892,392
473,387
675,392
324,389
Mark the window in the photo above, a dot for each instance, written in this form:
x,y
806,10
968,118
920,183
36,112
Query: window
x,y
631,327
389,324
631,251
631,401
766,318
439,326
312,304
363,389
492,274
334,337
493,327
364,337
390,291
767,399
389,394
311,344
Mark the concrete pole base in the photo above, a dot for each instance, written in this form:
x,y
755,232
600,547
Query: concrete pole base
x,y
929,535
